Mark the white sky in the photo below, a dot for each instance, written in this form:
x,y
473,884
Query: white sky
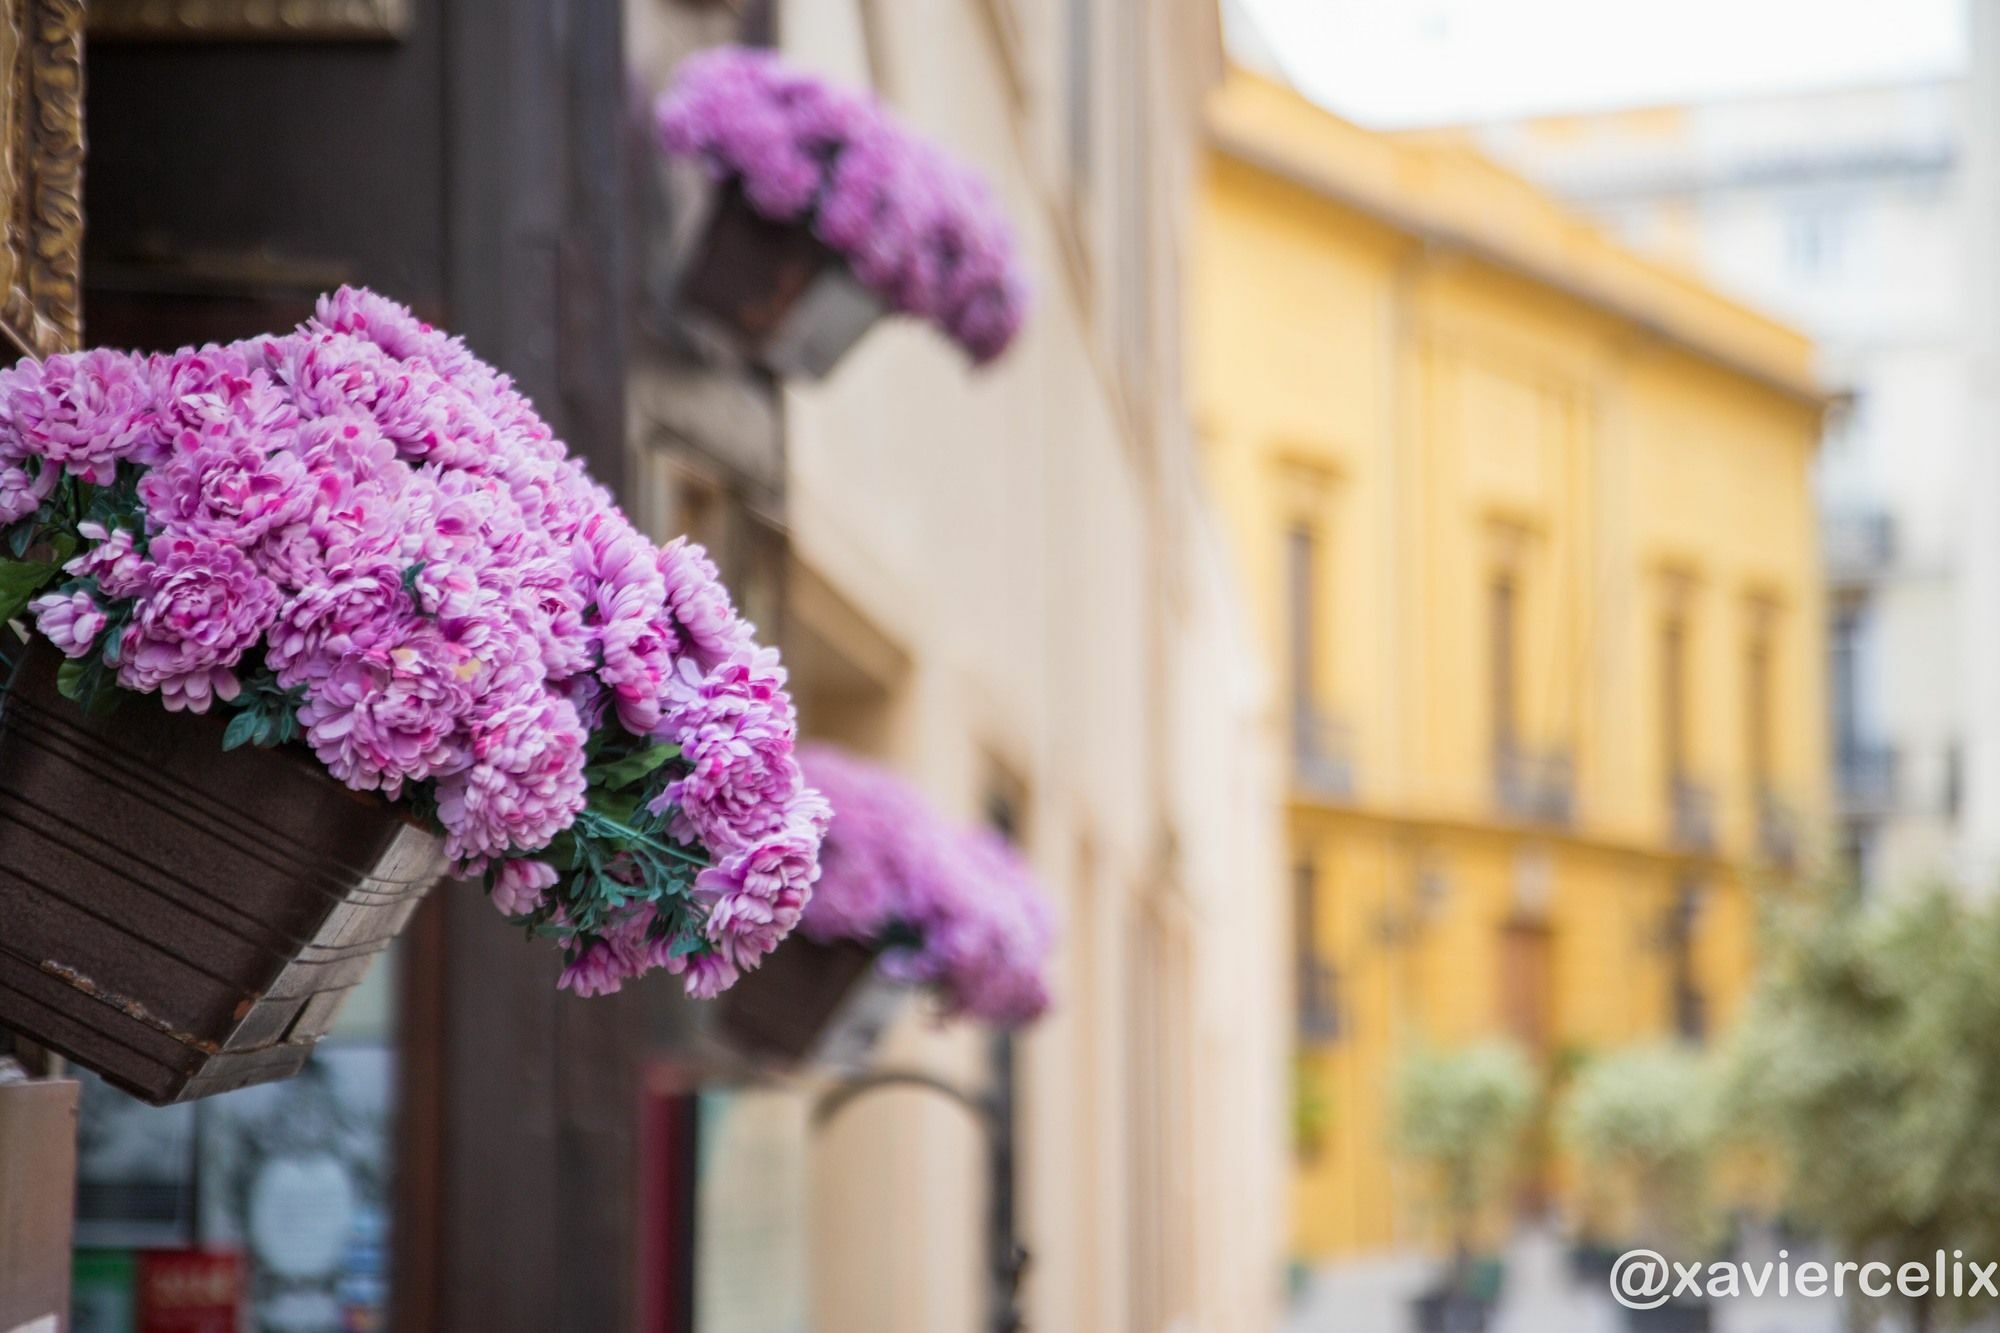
x,y
1408,62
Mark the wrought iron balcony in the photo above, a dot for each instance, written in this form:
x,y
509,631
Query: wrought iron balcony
x,y
1692,811
1318,1000
1537,787
1777,829
1859,544
1322,754
1867,777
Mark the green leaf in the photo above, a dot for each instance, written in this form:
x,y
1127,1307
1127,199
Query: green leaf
x,y
20,580
632,768
69,679
242,730
686,945
104,696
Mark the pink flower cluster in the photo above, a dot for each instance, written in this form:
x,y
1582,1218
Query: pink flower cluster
x,y
956,910
918,229
364,519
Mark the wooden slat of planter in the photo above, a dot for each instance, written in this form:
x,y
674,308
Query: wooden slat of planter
x,y
156,889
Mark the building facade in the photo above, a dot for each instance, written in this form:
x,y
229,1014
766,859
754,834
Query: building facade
x,y
1844,211
1007,585
1529,526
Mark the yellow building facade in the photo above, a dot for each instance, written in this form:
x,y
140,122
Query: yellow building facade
x,y
1527,527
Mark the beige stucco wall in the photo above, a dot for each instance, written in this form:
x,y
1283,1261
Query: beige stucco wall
x,y
1062,598
1011,579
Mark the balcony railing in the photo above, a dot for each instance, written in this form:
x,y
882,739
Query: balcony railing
x,y
1319,1000
1690,1012
1322,754
1537,787
1777,829
1867,778
1858,544
1692,815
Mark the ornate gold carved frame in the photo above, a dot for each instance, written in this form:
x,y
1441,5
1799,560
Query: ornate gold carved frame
x,y
41,127
210,20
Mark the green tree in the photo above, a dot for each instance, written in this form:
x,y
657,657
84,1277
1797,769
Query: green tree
x,y
1459,1116
1642,1123
1871,1059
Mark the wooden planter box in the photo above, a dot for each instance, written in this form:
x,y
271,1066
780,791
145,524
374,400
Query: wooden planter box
x,y
181,919
788,302
810,1001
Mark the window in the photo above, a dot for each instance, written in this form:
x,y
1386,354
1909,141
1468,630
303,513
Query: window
x,y
1318,1012
1079,51
1673,696
1815,237
1503,662
1690,1005
1757,673
1301,615
1850,624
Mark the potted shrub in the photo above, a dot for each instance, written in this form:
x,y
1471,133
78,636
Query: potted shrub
x,y
905,899
1459,1116
1868,1060
1642,1125
389,629
826,212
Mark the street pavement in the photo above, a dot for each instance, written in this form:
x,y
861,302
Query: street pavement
x,y
1540,1295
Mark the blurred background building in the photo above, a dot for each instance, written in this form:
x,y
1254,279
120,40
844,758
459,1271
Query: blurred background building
x,y
1528,521
1011,586
1844,211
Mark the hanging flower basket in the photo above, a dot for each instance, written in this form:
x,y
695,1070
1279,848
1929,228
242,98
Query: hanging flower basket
x,y
183,920
391,630
827,213
905,901
824,1003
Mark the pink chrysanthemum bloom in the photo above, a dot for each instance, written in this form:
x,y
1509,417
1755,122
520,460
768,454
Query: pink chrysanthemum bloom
x,y
699,604
225,484
705,975
361,605
202,607
736,732
112,559
377,525
81,411
755,897
596,970
21,494
627,598
390,713
917,228
71,622
526,783
958,912
521,886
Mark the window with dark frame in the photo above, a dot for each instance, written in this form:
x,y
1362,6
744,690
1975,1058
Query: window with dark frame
x,y
1673,697
1503,663
1757,681
1301,614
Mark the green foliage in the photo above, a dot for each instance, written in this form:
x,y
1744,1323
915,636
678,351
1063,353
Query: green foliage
x,y
267,713
1312,1107
1643,1122
622,772
1871,1060
619,854
1460,1114
20,581
90,683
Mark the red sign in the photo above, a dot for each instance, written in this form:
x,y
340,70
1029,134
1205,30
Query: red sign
x,y
188,1291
